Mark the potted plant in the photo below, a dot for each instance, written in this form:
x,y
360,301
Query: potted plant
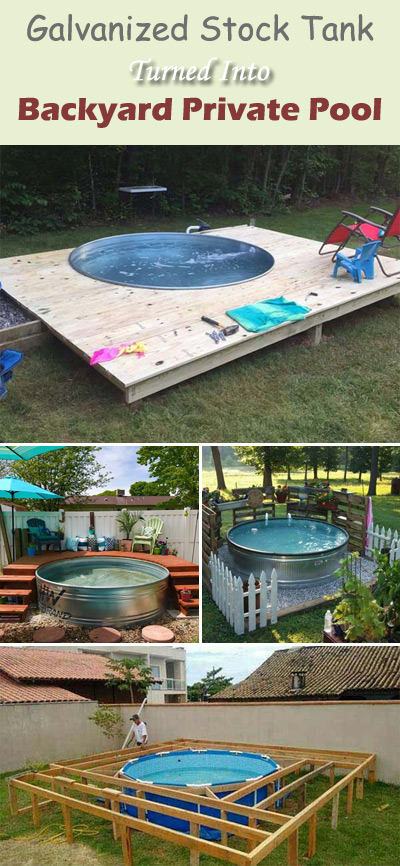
x,y
387,590
126,521
185,594
281,493
358,616
326,499
31,548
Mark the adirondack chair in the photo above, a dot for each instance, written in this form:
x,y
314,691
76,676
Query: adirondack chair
x,y
361,262
8,360
155,524
42,535
366,229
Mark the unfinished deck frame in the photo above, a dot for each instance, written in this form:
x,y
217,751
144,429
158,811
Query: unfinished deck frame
x,y
74,784
87,314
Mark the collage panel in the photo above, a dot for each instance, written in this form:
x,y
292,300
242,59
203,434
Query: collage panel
x,y
99,544
301,543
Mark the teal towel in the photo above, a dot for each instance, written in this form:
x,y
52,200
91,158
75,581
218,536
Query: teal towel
x,y
268,314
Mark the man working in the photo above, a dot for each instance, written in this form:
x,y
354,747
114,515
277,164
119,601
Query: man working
x,y
139,731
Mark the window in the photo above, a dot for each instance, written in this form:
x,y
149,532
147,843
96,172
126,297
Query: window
x,y
155,669
298,681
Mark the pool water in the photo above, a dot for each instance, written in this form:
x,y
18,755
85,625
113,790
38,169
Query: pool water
x,y
285,536
171,260
109,576
199,768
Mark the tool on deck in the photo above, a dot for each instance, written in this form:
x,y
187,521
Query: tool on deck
x,y
226,330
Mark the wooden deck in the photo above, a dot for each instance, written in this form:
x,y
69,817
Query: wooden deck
x,y
18,578
87,314
93,785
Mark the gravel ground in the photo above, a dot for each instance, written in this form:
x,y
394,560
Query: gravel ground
x,y
298,595
185,628
10,313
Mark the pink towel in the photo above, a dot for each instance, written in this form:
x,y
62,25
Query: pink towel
x,y
108,353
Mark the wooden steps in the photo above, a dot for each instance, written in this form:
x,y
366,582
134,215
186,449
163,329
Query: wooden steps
x,y
25,594
13,612
186,578
14,582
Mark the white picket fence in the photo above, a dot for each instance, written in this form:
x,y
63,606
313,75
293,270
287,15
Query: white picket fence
x,y
378,538
229,595
182,531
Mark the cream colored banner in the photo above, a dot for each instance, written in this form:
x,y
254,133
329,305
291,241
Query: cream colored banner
x,y
247,72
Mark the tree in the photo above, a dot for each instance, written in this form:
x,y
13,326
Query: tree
x,y
218,467
374,470
70,472
312,457
109,722
176,469
210,685
130,675
360,459
269,459
330,459
346,462
146,488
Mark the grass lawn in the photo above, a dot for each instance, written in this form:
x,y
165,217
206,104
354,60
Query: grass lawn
x,y
345,389
304,627
364,838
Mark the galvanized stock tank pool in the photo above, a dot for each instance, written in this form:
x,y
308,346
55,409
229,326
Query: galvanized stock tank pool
x,y
102,590
303,551
171,260
193,769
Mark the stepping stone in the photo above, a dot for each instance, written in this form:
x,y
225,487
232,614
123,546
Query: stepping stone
x,y
105,635
157,634
49,634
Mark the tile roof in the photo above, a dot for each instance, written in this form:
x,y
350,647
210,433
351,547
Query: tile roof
x,y
12,692
330,672
44,664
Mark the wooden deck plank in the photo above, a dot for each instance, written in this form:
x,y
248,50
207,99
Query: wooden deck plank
x,y
87,314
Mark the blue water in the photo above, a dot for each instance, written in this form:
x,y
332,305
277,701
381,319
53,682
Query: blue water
x,y
284,536
171,260
189,767
199,768
102,571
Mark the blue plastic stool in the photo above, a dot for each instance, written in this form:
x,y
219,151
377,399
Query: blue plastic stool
x,y
8,360
362,261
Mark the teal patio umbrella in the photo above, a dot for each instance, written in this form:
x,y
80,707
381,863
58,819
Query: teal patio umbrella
x,y
16,488
25,452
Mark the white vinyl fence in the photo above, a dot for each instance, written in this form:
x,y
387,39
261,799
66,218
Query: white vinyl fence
x,y
182,531
230,596
378,538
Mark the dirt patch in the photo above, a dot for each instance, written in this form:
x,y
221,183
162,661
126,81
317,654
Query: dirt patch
x,y
32,853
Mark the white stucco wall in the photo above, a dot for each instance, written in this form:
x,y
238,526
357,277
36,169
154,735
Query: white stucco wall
x,y
49,732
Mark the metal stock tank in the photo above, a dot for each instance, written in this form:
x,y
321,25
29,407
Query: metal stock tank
x,y
102,590
302,551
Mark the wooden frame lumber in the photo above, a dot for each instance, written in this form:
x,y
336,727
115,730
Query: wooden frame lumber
x,y
73,786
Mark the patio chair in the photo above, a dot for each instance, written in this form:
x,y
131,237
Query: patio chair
x,y
42,535
361,262
366,229
8,360
149,534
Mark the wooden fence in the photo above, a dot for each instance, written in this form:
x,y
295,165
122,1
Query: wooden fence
x,y
211,522
246,606
377,539
351,515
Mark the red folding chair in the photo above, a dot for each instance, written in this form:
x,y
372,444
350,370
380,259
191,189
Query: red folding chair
x,y
365,228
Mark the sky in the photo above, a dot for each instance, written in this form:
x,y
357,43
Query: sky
x,y
236,660
121,462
